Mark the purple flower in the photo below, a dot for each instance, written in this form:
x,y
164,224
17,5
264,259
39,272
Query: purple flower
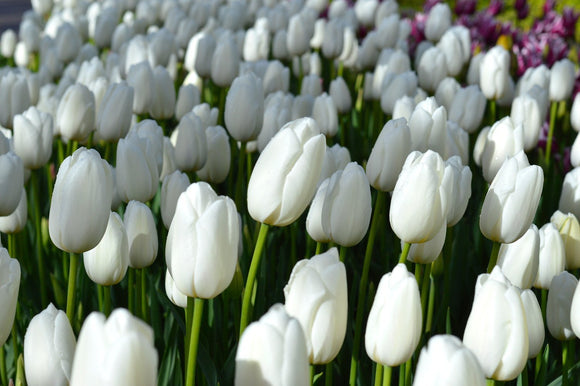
x,y
522,8
465,7
495,7
429,4
569,19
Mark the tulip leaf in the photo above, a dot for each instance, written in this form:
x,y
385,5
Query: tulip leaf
x,y
207,365
59,293
573,373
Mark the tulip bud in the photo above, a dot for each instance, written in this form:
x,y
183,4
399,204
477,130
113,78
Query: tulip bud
x,y
140,77
575,152
273,350
396,86
81,201
341,209
552,260
562,80
49,346
16,221
503,140
68,42
333,40
325,114
114,117
569,229
9,285
300,31
428,125
276,78
474,69
419,203
340,95
446,361
404,108
446,91
460,189
395,320
199,52
456,46
173,293
171,188
11,182
257,42
190,142
163,98
187,98
33,133
202,262
511,201
534,321
558,308
428,251
496,329
494,72
322,315
570,195
225,61
244,109
75,118
117,351
526,110
575,113
141,234
467,108
432,68
216,168
8,41
14,97
519,260
137,173
336,158
575,312
438,21
107,262
285,176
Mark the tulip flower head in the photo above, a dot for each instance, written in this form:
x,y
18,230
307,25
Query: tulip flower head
x,y
9,286
558,308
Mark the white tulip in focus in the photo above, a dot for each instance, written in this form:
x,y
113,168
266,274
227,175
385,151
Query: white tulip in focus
x,y
81,201
519,260
460,189
244,109
11,182
9,286
216,168
341,209
570,195
496,329
569,228
116,351
559,306
171,188
534,321
429,251
494,72
552,259
16,221
527,111
511,202
316,295
562,76
575,312
446,361
395,320
419,203
33,137
575,113
106,264
202,244
273,351
173,293
503,140
141,234
336,158
49,347
285,176
75,117
137,170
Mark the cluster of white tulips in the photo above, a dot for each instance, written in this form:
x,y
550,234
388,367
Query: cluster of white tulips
x,y
263,192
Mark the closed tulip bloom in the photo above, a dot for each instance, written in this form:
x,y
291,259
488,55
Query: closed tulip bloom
x,y
114,118
562,80
137,172
336,158
217,167
570,194
286,174
467,108
333,39
257,42
202,245
141,234
9,285
187,98
446,91
345,206
559,306
456,46
173,293
575,312
419,203
198,54
503,140
107,262
534,76
325,114
316,295
340,95
300,32
428,125
511,201
474,68
14,97
75,117
404,108
163,98
273,351
171,188
33,136
190,142
457,143
460,189
8,41
519,260
11,182
575,113
428,251
16,221
446,361
395,320
575,152
225,61
526,110
244,109
276,78
569,228
396,86
49,347
535,322
438,21
311,85
140,77
432,68
552,259
496,329
81,201
119,350
68,42
105,27
494,72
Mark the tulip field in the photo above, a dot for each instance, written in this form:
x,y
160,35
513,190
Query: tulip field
x,y
297,192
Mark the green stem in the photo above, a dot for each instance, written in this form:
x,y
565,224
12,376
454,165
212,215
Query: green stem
x,y
193,339
490,382
402,368
342,253
34,177
425,289
312,373
408,370
404,253
100,298
3,376
143,294
387,372
328,374
378,375
492,105
72,278
553,110
544,303
318,248
566,353
131,291
493,257
188,323
240,178
252,277
107,300
431,306
222,104
360,307
300,74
